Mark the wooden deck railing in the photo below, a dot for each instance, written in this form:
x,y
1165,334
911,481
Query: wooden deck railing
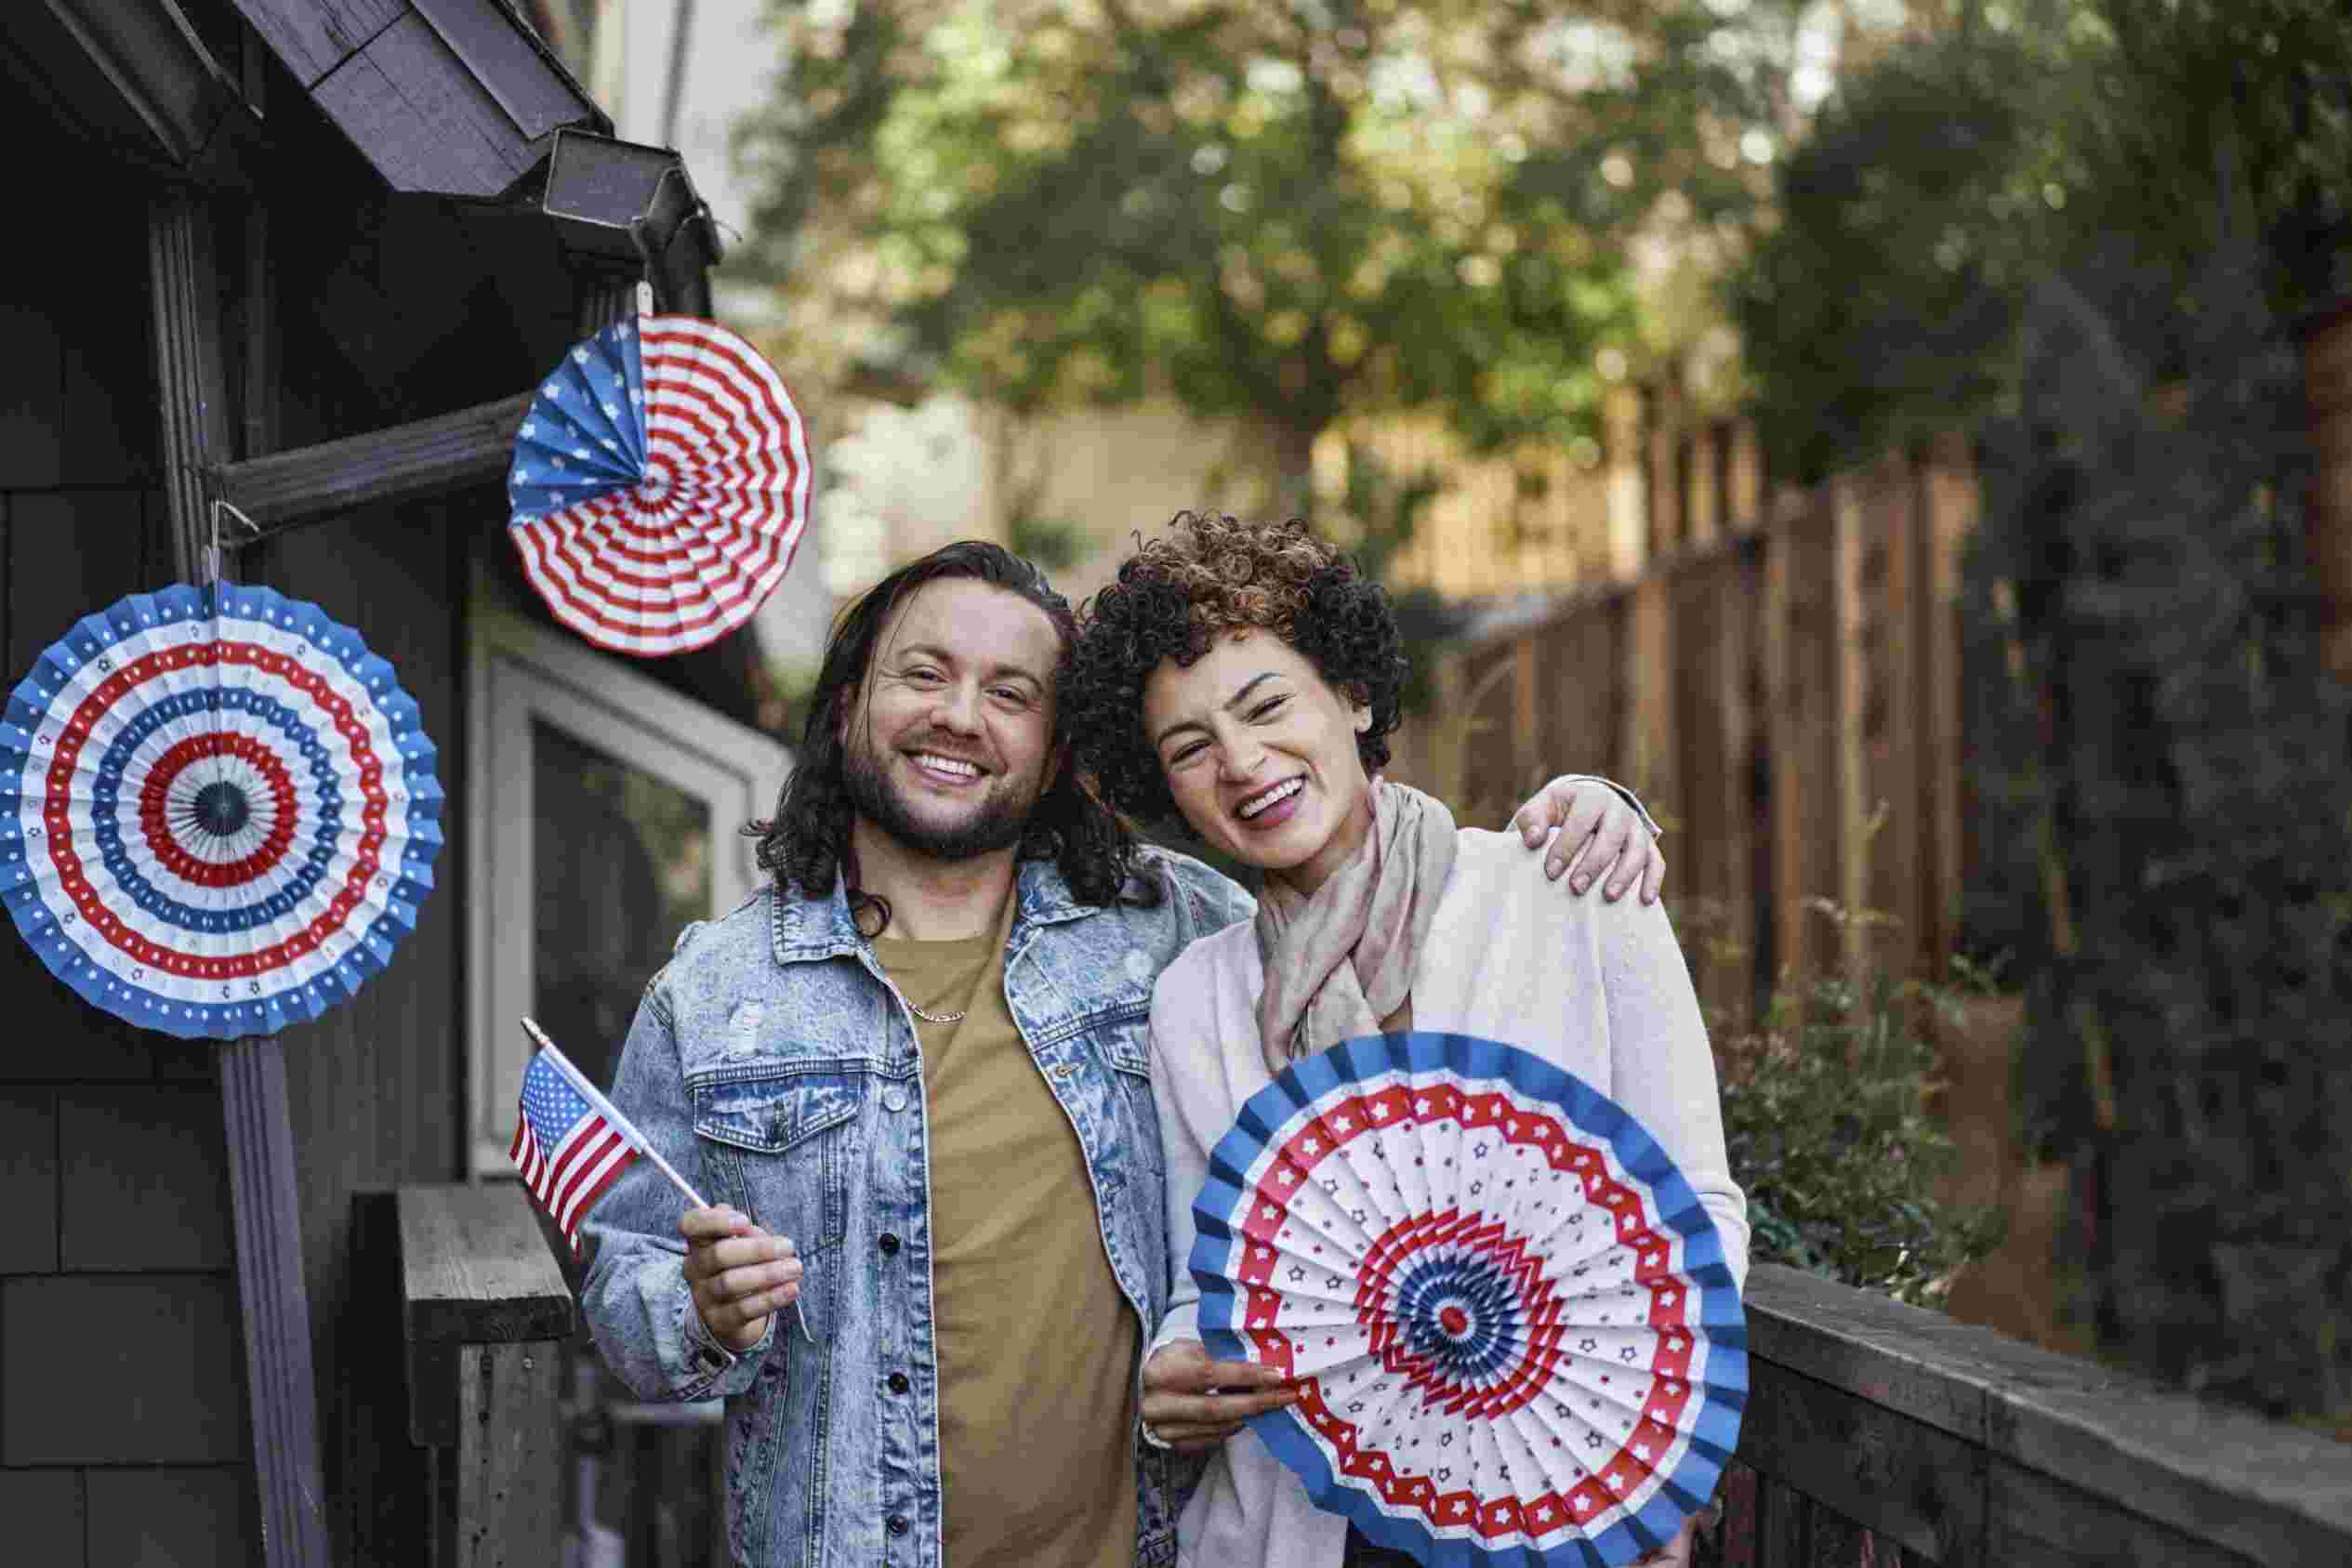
x,y
1879,1434
485,1312
1876,1434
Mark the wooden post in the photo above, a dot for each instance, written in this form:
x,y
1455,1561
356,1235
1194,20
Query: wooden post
x,y
509,1470
1662,417
280,491
1528,739
485,1312
1703,465
1739,584
1785,829
1949,513
190,377
274,1298
1627,500
270,1289
1743,479
1649,678
1892,722
261,366
1851,694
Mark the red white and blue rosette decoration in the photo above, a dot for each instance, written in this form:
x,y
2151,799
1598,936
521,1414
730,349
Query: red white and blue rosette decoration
x,y
219,813
1513,1330
659,486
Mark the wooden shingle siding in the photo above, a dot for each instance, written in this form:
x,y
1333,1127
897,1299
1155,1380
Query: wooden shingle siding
x,y
97,386
27,1181
67,553
143,1179
119,1349
42,1510
171,1518
31,457
138,1369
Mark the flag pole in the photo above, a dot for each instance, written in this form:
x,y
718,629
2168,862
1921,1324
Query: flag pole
x,y
638,1140
588,1091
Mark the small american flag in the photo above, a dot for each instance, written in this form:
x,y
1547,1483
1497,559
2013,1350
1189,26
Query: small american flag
x,y
567,1147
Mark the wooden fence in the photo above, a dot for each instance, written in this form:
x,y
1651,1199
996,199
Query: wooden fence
x,y
1778,672
1783,689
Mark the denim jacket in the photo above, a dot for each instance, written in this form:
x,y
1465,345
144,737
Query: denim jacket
x,y
774,1065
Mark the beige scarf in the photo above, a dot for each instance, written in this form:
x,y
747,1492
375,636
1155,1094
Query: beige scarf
x,y
1339,961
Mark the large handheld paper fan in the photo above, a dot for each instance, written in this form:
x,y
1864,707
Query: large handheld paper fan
x,y
218,811
1512,1323
659,486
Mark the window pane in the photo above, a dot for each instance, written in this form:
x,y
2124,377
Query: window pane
x,y
622,863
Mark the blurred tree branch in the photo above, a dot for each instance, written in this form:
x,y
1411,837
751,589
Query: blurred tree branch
x,y
1291,211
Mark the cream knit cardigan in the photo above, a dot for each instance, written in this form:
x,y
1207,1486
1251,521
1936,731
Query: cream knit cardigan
x,y
1598,989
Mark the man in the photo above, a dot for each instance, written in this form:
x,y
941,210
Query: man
x,y
908,1073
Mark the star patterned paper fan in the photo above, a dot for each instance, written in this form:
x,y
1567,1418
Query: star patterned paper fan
x,y
1513,1330
659,486
218,811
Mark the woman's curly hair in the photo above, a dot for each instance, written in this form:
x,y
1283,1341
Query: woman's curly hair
x,y
1209,575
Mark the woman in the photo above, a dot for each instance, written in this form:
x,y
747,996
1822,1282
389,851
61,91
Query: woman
x,y
1245,678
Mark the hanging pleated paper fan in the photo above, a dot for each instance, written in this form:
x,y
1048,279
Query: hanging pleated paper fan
x,y
219,813
659,486
1513,1330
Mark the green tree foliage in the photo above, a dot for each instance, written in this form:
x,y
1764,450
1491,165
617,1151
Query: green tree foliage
x,y
1290,211
2017,140
2167,823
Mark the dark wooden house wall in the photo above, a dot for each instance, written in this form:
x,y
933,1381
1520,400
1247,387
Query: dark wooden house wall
x,y
125,1436
122,1432
125,1429
376,1090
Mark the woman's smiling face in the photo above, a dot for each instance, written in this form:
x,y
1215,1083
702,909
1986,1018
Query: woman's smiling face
x,y
1259,753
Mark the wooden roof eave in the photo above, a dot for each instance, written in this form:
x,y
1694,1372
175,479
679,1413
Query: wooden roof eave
x,y
174,108
442,97
458,98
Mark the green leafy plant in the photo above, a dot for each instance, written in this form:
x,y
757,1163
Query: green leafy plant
x,y
1827,1119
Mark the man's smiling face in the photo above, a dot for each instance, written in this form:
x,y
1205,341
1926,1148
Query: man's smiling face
x,y
950,743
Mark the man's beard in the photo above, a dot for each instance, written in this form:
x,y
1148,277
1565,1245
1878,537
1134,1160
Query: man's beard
x,y
999,823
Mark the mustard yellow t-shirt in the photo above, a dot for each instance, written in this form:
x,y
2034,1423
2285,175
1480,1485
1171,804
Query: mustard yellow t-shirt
x,y
1036,1346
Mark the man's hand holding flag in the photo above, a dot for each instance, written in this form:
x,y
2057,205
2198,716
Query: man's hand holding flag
x,y
571,1143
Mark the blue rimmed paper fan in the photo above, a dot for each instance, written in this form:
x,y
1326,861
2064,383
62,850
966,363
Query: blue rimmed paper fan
x,y
659,486
219,813
1513,1330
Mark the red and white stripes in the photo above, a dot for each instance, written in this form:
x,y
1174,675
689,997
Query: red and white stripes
x,y
689,553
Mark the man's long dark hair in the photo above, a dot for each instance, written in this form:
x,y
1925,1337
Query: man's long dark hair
x,y
806,845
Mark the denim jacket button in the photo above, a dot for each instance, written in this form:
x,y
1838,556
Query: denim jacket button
x,y
893,1100
888,1242
899,1384
896,1524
